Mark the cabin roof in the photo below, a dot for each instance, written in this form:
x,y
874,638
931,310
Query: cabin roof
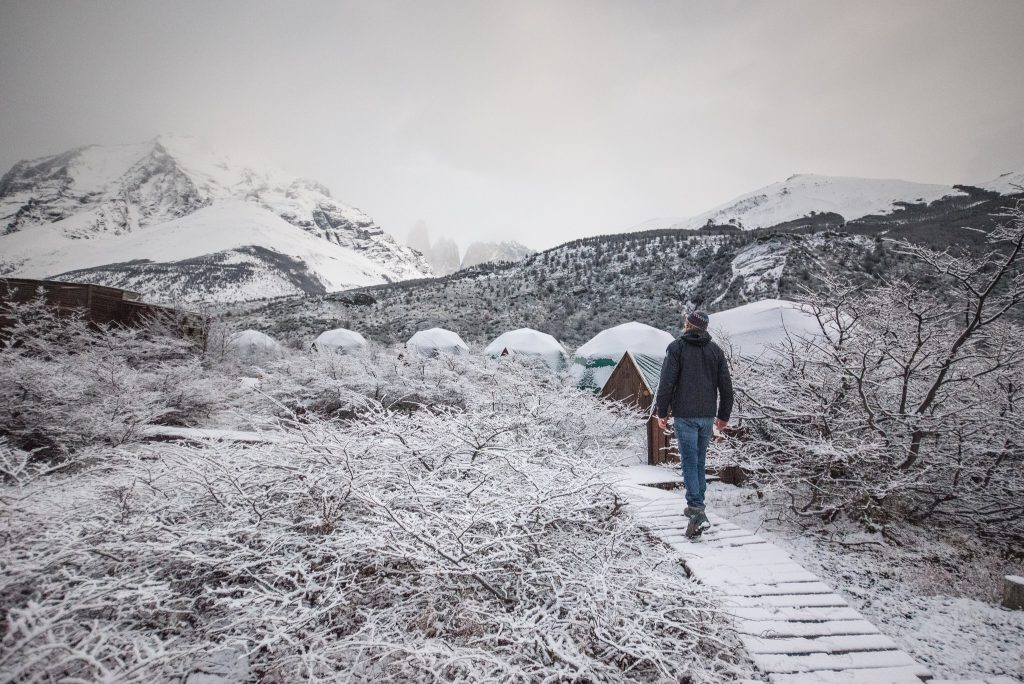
x,y
650,369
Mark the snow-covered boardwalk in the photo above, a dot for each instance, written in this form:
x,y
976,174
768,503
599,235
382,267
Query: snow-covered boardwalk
x,y
796,629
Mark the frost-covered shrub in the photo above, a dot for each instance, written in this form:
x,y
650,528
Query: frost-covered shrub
x,y
65,384
907,402
473,540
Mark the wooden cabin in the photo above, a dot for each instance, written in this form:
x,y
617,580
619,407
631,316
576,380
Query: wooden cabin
x,y
103,305
634,381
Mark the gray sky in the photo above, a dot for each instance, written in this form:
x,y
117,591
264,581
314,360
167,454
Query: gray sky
x,y
537,121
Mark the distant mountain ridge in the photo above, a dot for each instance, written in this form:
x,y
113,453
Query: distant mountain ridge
x,y
579,288
105,207
804,196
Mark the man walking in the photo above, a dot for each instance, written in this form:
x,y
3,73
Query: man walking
x,y
696,385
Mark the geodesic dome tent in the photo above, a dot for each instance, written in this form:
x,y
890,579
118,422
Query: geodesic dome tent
x,y
750,329
530,342
594,361
340,340
436,341
252,342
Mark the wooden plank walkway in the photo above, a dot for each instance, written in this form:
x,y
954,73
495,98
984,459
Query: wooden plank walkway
x,y
795,628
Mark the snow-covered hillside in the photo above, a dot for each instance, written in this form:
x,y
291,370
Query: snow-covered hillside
x,y
483,252
171,199
249,252
1009,183
802,195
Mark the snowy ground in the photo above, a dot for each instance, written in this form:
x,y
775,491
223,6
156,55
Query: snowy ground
x,y
935,598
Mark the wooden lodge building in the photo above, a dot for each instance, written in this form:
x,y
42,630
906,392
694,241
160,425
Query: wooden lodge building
x,y
102,305
634,381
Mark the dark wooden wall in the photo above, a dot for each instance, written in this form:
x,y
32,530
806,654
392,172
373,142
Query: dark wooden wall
x,y
626,384
102,305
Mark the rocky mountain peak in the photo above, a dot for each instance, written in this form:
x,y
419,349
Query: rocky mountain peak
x,y
99,191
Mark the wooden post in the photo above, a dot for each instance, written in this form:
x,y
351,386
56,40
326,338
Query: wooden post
x,y
659,444
653,435
1013,592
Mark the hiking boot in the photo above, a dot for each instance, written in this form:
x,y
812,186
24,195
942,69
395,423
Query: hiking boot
x,y
698,521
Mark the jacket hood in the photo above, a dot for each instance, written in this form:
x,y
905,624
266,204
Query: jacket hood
x,y
697,337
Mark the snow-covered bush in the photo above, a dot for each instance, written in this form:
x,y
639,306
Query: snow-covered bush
x,y
448,519
907,402
65,384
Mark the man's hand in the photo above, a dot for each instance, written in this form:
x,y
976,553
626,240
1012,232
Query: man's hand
x,y
662,424
721,424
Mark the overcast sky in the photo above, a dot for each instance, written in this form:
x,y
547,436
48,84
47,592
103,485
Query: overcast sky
x,y
536,121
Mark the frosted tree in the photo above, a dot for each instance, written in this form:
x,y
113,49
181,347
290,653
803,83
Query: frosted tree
x,y
907,401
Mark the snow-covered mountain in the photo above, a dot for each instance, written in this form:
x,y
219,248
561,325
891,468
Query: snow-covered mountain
x,y
171,216
804,195
444,256
443,253
483,252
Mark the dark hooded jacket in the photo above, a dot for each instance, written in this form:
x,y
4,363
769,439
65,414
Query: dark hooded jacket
x,y
695,379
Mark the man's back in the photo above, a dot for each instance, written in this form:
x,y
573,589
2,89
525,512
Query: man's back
x,y
694,376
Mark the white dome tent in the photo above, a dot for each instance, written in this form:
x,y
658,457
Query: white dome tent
x,y
595,360
436,341
252,343
340,340
750,329
530,342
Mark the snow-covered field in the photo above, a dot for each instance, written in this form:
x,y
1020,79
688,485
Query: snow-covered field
x,y
325,517
260,512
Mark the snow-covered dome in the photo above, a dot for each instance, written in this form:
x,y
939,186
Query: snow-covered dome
x,y
596,359
249,342
750,328
436,340
529,342
635,337
340,340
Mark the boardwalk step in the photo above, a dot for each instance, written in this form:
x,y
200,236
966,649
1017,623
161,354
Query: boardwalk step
x,y
730,578
795,614
825,644
880,675
782,588
787,601
785,628
770,662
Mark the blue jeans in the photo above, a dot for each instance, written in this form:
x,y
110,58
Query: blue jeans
x,y
692,436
